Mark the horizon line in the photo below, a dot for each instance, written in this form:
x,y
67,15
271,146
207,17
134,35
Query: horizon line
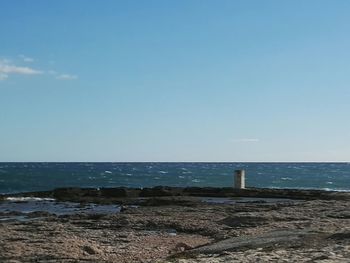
x,y
175,162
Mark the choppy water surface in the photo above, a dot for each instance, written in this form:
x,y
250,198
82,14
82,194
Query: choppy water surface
x,y
21,177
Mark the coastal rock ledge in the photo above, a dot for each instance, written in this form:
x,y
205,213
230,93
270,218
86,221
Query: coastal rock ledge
x,y
178,225
100,194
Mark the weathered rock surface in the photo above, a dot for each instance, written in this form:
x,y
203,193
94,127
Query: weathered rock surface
x,y
282,238
183,228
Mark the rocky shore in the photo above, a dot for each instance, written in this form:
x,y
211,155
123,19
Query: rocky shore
x,y
165,224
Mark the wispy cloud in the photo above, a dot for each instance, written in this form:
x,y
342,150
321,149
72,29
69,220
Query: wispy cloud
x,y
245,140
13,67
3,76
62,76
5,61
7,69
52,72
66,77
26,59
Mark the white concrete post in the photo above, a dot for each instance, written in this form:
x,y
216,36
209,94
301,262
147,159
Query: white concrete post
x,y
239,179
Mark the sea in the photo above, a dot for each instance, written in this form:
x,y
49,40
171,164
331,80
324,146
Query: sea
x,y
40,176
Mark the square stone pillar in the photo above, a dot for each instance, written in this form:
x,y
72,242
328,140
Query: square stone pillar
x,y
239,179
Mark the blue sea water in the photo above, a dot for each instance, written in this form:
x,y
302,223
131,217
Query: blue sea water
x,y
23,177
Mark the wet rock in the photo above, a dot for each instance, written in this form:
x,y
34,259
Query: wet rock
x,y
11,213
39,214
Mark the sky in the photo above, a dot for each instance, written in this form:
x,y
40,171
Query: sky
x,y
185,80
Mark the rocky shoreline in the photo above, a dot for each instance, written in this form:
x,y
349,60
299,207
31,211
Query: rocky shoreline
x,y
98,195
167,224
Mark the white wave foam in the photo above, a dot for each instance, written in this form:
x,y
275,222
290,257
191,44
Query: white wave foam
x,y
311,188
27,199
335,190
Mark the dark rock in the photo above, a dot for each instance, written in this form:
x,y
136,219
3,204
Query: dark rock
x,y
96,216
340,236
181,247
166,200
244,221
111,195
123,221
341,215
89,250
156,191
207,191
67,193
123,208
114,192
322,257
76,194
287,238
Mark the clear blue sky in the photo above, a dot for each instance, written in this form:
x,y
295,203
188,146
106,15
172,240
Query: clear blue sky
x,y
174,80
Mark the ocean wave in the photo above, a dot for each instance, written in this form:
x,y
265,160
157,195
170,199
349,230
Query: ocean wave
x,y
15,178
